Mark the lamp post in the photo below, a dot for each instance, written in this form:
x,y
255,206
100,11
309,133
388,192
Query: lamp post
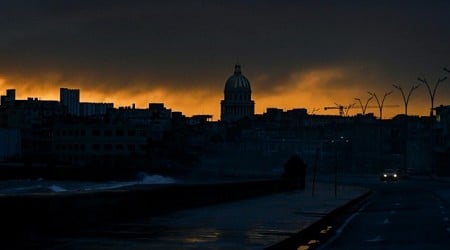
x,y
347,108
432,93
335,142
380,104
364,107
406,97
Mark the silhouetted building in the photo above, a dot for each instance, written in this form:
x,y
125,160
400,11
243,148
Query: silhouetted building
x,y
33,118
98,143
10,143
88,109
9,98
70,98
442,140
237,102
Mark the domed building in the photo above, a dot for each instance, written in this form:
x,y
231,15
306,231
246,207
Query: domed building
x,y
237,102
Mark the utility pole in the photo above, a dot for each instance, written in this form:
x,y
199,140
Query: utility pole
x,y
406,98
364,107
432,93
380,104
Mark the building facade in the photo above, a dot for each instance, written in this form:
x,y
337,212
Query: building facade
x,y
237,102
10,143
9,98
70,98
89,109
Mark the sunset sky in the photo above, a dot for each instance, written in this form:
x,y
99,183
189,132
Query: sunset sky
x,y
296,54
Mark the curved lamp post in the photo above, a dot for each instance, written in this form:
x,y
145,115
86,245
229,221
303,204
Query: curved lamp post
x,y
380,104
364,107
406,97
432,93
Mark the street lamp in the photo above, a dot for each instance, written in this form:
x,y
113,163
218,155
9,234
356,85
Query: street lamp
x,y
335,142
364,107
380,104
347,108
406,98
432,93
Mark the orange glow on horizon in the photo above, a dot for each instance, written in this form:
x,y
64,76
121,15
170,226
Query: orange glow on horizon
x,y
305,91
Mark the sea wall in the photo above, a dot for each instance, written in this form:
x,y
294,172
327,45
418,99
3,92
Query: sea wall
x,y
31,213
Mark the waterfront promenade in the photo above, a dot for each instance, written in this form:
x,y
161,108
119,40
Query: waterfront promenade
x,y
246,224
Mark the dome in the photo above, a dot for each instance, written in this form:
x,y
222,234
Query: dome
x,y
237,82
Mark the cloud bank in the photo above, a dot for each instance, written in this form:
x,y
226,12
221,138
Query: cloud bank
x,y
133,51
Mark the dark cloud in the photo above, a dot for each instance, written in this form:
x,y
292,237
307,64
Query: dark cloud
x,y
194,44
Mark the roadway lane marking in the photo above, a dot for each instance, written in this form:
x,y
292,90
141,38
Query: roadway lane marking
x,y
393,212
397,204
324,231
312,242
448,229
376,239
340,229
386,221
445,218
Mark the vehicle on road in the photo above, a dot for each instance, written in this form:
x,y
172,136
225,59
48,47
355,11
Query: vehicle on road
x,y
389,175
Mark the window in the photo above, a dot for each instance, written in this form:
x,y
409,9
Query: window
x,y
120,132
96,132
108,132
96,147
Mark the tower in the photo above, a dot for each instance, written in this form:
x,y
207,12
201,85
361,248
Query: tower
x,y
71,99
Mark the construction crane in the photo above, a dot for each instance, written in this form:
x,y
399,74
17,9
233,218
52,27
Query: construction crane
x,y
343,110
384,106
314,110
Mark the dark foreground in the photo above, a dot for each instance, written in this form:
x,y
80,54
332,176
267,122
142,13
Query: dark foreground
x,y
249,220
408,214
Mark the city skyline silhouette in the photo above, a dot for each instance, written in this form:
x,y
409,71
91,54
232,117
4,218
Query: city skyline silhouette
x,y
308,55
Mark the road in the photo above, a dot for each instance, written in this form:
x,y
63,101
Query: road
x,y
408,214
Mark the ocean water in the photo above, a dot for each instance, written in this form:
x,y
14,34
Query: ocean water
x,y
49,186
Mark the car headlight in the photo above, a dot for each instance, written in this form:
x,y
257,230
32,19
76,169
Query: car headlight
x,y
384,175
395,175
